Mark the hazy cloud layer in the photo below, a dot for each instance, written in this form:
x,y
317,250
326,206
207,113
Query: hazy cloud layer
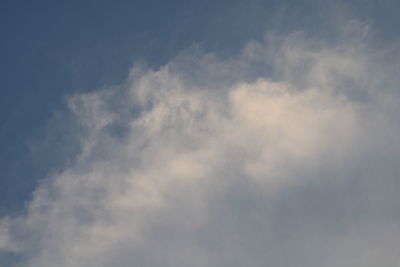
x,y
283,156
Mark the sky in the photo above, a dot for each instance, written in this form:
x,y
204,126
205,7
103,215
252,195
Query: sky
x,y
199,133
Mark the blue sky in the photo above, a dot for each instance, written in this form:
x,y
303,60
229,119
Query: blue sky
x,y
143,94
51,49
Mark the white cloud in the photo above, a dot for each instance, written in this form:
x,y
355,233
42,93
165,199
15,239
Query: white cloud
x,y
212,155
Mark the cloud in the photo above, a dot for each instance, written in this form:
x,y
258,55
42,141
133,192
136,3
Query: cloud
x,y
284,156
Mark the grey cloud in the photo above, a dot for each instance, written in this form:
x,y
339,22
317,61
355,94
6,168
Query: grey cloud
x,y
284,155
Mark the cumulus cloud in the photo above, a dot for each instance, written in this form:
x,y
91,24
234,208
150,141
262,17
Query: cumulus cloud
x,y
284,155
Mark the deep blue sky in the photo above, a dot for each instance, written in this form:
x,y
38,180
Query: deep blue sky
x,y
52,49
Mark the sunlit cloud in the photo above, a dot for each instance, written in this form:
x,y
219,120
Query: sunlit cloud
x,y
215,162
